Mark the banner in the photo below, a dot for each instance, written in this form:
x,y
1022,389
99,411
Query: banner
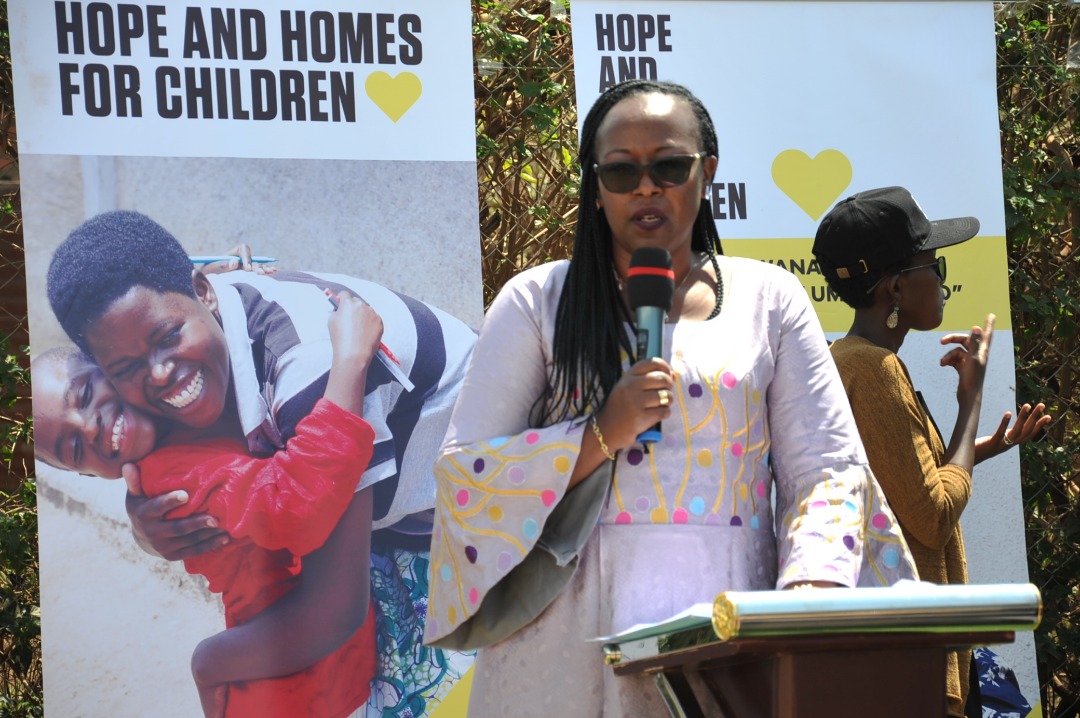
x,y
814,101
336,138
246,80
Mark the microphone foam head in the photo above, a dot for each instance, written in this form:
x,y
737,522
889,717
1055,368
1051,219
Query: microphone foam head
x,y
650,281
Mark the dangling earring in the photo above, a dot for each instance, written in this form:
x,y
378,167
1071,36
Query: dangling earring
x,y
893,319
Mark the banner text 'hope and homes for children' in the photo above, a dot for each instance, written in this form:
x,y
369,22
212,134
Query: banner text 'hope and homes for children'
x,y
92,33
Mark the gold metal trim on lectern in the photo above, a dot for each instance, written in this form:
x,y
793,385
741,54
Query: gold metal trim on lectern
x,y
912,607
775,654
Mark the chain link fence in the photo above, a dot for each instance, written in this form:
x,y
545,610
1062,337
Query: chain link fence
x,y
526,135
1039,101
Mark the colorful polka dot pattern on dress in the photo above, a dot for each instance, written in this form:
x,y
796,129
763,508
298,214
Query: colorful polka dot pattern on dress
x,y
496,498
849,501
711,471
715,455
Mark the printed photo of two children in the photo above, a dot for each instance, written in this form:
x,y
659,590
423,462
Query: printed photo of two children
x,y
242,372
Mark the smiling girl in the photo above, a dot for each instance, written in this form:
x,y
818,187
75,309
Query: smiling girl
x,y
276,510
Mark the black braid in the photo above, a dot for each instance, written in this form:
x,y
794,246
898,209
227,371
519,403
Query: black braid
x,y
590,335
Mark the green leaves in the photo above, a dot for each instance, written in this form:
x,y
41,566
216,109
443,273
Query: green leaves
x,y
20,617
526,136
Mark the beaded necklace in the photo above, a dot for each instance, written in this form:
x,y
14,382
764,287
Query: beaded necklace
x,y
719,286
719,302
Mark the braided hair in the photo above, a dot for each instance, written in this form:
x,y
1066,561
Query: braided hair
x,y
590,336
103,258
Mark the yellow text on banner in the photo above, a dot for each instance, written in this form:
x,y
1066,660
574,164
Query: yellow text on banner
x,y
973,288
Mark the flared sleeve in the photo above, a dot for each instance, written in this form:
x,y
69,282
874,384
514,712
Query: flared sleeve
x,y
507,531
835,524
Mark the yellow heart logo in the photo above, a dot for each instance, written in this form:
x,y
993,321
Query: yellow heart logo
x,y
813,184
393,95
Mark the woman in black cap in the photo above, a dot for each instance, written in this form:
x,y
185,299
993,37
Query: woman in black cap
x,y
878,252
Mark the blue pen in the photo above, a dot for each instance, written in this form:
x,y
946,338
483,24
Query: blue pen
x,y
207,258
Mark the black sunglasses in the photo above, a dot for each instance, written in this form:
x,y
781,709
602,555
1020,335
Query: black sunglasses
x,y
667,171
938,265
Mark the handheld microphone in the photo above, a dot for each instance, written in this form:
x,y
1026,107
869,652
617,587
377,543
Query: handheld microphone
x,y
650,283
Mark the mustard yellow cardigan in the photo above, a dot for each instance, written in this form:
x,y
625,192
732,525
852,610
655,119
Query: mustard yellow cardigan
x,y
905,452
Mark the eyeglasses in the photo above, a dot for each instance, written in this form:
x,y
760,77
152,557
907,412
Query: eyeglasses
x,y
938,265
667,171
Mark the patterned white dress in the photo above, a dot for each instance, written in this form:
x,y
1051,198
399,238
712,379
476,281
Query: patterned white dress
x,y
759,408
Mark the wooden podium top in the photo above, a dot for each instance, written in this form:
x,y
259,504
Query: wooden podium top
x,y
711,655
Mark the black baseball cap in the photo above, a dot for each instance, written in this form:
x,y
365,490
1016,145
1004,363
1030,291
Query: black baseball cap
x,y
881,228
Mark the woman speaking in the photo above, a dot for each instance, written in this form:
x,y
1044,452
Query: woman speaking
x,y
554,524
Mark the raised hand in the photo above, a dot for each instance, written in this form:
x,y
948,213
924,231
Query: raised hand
x,y
1030,423
969,357
355,329
241,254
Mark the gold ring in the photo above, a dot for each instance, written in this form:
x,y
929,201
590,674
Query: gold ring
x,y
665,397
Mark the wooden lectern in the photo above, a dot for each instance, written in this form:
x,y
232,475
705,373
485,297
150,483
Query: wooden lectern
x,y
837,654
